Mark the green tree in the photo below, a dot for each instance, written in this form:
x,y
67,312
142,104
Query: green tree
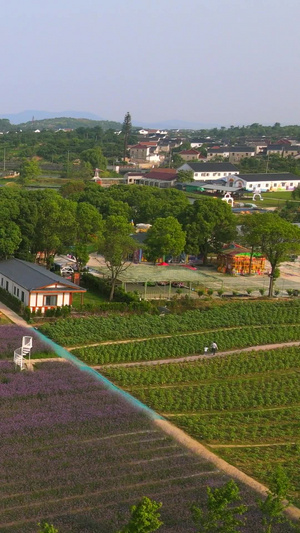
x,y
185,176
209,223
29,170
116,246
94,157
89,226
222,515
44,527
145,517
126,130
273,506
166,237
56,225
10,238
277,238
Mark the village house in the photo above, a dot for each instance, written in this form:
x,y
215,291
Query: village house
x,y
274,181
189,155
145,151
210,171
35,286
216,151
237,153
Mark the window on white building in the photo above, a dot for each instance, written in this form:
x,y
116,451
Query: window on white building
x,y
22,296
50,300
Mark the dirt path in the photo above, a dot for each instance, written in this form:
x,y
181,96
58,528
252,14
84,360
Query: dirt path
x,y
197,357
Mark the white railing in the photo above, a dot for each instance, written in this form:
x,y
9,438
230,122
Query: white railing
x,y
22,352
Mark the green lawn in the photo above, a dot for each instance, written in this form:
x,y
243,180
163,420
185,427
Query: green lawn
x,y
88,298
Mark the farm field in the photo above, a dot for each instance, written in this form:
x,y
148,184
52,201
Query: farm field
x,y
95,329
245,407
78,455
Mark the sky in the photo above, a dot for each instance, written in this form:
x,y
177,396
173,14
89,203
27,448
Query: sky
x,y
216,62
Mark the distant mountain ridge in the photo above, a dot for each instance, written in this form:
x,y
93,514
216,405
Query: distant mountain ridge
x,y
26,116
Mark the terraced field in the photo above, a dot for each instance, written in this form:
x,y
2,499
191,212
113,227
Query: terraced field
x,y
245,407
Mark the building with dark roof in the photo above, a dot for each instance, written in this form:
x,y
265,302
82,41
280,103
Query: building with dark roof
x,y
35,286
210,171
273,181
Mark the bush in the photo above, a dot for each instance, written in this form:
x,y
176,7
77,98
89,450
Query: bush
x,y
262,291
210,292
11,301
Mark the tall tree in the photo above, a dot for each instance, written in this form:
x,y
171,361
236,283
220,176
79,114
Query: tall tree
x,y
145,517
278,239
116,246
209,223
222,514
126,130
166,237
29,170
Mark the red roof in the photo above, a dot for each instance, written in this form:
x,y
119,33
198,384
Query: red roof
x,y
163,176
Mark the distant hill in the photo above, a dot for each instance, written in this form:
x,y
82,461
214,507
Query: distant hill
x,y
26,116
65,123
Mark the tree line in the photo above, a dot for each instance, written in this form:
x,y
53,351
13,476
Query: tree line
x,y
89,217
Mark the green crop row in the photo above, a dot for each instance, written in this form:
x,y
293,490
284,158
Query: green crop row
x,y
177,346
76,331
204,369
263,391
248,427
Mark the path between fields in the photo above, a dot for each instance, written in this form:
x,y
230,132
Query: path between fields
x,y
196,357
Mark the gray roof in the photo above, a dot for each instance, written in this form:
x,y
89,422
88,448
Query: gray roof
x,y
236,149
32,277
212,167
270,176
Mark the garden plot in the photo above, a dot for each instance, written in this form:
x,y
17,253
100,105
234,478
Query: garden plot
x,y
244,406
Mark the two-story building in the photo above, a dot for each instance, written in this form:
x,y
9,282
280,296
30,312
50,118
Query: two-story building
x,y
237,153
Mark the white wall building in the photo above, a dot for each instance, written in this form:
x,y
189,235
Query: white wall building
x,y
35,286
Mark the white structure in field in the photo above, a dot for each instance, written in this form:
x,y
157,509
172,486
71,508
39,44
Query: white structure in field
x,y
23,351
228,198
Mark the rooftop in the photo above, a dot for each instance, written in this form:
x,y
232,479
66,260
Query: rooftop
x,y
31,276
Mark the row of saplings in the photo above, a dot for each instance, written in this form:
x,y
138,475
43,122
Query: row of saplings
x,y
224,511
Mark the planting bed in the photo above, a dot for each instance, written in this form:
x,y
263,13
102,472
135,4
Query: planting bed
x,y
82,331
182,345
248,399
77,455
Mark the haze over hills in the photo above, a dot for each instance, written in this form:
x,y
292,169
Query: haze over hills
x,y
26,116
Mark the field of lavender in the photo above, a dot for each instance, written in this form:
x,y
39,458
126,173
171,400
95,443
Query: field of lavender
x,y
78,455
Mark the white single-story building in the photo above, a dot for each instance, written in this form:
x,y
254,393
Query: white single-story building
x,y
275,181
210,171
35,286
